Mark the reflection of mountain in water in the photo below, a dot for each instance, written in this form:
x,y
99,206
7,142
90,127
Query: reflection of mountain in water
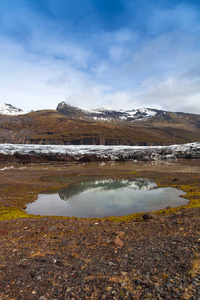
x,y
101,186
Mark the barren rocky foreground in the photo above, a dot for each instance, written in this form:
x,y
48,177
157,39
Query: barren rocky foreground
x,y
145,256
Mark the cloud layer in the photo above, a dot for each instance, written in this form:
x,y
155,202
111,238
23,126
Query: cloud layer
x,y
117,54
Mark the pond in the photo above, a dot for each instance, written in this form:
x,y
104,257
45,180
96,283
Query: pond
x,y
104,198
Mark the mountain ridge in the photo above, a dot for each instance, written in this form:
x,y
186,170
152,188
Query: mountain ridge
x,y
103,114
74,126
141,115
99,113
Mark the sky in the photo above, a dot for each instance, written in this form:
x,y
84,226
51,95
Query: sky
x,y
119,54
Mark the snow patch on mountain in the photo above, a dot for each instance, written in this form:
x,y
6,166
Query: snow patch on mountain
x,y
8,109
102,114
121,115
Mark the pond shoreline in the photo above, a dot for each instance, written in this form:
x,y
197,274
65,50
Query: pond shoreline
x,y
106,198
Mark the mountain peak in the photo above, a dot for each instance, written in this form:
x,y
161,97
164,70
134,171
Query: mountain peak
x,y
8,109
103,114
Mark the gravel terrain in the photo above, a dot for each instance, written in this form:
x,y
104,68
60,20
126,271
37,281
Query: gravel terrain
x,y
156,256
85,259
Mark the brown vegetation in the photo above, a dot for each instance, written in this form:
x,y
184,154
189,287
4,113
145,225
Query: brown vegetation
x,y
53,127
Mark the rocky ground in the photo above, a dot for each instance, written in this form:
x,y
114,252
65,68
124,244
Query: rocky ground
x,y
154,256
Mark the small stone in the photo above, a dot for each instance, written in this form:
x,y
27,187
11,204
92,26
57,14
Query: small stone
x,y
51,228
168,285
180,287
194,283
74,274
114,293
2,294
59,263
74,255
124,273
149,216
123,284
157,288
110,263
119,233
138,281
147,283
117,242
149,295
39,277
3,231
190,287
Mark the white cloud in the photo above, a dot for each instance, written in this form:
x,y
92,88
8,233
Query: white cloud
x,y
125,68
173,94
30,80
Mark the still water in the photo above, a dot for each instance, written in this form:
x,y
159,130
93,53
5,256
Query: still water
x,y
104,198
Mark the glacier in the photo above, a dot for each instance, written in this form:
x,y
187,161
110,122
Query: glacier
x,y
116,153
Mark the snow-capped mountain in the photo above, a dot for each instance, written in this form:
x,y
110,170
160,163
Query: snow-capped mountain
x,y
102,114
70,125
8,109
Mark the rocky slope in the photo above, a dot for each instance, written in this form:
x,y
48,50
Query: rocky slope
x,y
73,126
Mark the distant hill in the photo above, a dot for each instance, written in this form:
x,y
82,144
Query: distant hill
x,y
71,125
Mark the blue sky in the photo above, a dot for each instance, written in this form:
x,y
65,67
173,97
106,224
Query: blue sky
x,y
112,53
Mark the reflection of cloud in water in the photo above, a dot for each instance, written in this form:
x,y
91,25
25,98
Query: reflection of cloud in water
x,y
107,198
100,186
